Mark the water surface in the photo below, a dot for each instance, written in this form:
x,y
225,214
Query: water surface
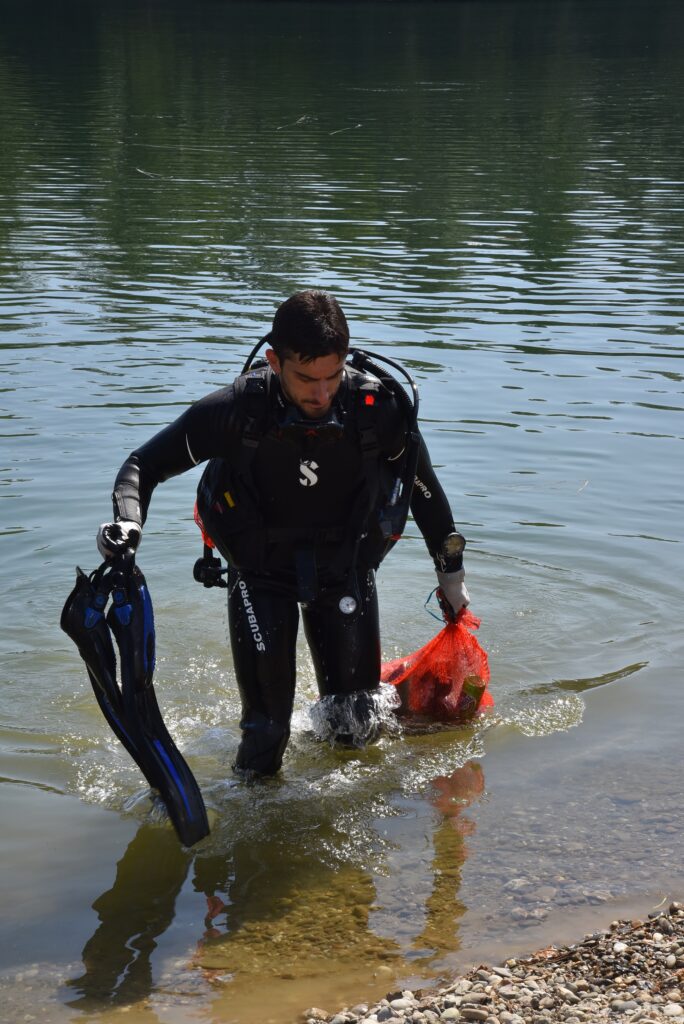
x,y
494,193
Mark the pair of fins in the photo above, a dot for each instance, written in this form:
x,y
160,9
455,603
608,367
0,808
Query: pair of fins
x,y
131,707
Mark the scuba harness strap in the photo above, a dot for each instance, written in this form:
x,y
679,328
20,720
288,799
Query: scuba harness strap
x,y
254,397
369,443
394,513
217,493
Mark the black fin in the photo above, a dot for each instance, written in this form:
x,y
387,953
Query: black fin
x,y
131,709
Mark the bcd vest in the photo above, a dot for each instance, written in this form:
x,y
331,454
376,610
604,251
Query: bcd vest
x,y
303,500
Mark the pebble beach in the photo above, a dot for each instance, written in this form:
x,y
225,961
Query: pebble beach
x,y
632,971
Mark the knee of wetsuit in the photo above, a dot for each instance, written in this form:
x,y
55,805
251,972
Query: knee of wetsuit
x,y
353,718
263,745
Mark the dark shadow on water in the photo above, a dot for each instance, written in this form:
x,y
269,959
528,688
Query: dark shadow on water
x,y
582,685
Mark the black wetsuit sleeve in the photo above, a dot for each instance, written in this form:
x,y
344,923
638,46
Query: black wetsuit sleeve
x,y
205,430
429,505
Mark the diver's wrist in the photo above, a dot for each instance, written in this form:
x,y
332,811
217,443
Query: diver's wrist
x,y
449,557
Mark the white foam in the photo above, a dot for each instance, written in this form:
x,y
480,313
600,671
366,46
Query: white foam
x,y
361,716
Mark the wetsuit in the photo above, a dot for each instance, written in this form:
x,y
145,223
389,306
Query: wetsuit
x,y
307,537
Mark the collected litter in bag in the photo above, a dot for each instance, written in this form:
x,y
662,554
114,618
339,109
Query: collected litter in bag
x,y
447,678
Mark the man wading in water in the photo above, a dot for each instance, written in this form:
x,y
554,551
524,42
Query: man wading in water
x,y
312,462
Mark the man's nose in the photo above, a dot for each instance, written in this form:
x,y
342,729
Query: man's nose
x,y
322,392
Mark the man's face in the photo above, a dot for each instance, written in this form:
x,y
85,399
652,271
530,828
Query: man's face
x,y
311,386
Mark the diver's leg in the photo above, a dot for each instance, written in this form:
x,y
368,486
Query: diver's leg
x,y
263,633
345,648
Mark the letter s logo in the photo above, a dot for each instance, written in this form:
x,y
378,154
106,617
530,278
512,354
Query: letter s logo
x,y
307,469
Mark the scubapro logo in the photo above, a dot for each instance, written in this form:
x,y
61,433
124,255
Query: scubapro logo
x,y
421,487
307,470
251,617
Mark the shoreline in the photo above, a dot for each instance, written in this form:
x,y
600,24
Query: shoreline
x,y
632,970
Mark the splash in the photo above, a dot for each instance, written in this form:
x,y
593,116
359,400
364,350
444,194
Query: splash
x,y
356,719
544,717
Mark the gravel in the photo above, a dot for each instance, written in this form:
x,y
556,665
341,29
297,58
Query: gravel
x,y
632,971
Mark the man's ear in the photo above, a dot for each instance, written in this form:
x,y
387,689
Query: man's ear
x,y
273,360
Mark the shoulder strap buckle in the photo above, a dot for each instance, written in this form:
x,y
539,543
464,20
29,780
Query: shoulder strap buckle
x,y
253,394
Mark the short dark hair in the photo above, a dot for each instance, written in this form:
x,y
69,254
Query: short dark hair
x,y
309,324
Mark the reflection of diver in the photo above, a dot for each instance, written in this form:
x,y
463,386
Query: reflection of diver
x,y
133,914
289,914
267,890
263,895
453,793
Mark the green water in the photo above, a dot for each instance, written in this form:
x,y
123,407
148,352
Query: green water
x,y
494,192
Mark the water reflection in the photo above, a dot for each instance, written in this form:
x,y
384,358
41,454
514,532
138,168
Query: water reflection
x,y
133,914
453,794
162,160
272,908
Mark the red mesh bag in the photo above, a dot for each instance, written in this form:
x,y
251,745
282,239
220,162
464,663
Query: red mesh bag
x,y
447,678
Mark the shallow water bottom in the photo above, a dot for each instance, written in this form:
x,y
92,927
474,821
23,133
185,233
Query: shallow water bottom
x,y
541,840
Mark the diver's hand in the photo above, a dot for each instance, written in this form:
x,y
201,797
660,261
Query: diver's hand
x,y
116,538
453,589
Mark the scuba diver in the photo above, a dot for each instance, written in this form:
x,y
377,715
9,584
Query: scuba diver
x,y
313,463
